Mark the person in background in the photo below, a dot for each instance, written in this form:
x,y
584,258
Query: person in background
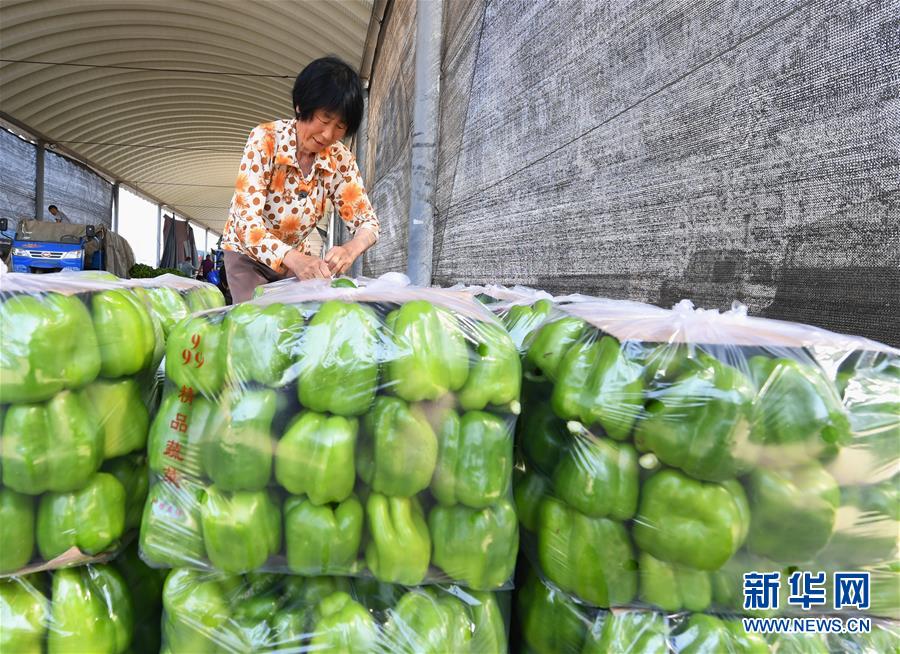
x,y
206,267
186,267
58,214
288,171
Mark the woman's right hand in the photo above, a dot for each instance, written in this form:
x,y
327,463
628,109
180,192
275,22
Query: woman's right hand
x,y
306,267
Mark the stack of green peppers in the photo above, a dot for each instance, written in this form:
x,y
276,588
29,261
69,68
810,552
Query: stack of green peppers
x,y
74,421
255,613
337,438
657,474
101,609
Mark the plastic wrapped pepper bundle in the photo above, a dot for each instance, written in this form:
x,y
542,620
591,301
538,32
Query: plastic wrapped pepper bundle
x,y
77,382
338,431
208,611
550,621
104,608
171,298
663,454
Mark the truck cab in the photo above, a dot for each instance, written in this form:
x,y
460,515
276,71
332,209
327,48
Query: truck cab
x,y
45,247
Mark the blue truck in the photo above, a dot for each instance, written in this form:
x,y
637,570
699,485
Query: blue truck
x,y
45,247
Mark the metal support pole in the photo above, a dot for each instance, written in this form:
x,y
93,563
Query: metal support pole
x,y
158,233
39,181
429,15
362,144
115,216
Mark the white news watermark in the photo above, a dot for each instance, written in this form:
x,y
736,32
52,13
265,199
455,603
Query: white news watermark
x,y
807,625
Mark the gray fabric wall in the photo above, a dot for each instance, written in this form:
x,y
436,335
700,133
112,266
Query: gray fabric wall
x,y
16,179
653,150
85,197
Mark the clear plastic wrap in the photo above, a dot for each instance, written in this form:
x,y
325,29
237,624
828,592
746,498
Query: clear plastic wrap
x,y
261,612
664,454
338,431
77,384
108,608
549,621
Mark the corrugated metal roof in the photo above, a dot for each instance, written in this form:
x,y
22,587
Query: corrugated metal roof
x,y
163,94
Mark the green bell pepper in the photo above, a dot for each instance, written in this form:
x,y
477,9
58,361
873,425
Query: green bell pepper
x,y
522,320
398,450
165,304
598,384
91,519
793,512
475,546
673,587
91,611
307,592
529,488
702,634
262,342
339,359
551,621
241,530
489,636
343,282
544,437
171,533
430,355
599,477
121,413
16,530
635,632
322,540
126,334
797,643
24,614
315,457
343,625
590,557
694,523
495,377
552,343
797,413
55,446
427,622
205,297
196,611
48,344
131,471
744,642
145,586
474,461
237,442
196,355
399,546
176,436
701,421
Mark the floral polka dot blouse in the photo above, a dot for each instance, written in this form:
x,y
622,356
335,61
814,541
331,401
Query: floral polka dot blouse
x,y
274,207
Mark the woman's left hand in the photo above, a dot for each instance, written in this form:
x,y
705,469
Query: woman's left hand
x,y
340,258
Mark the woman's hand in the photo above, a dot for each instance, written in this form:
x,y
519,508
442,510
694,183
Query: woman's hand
x,y
340,258
306,267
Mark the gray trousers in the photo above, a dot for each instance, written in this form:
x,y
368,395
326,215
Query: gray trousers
x,y
245,274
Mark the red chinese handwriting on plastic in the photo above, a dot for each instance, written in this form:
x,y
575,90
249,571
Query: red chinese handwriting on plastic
x,y
167,508
173,450
186,395
193,354
170,476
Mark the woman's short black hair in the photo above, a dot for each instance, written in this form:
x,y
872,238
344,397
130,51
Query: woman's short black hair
x,y
330,84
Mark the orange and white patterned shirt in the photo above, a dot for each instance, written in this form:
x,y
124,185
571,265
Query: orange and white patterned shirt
x,y
274,208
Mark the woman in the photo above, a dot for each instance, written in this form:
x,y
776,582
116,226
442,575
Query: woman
x,y
288,171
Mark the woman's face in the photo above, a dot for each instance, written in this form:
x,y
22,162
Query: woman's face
x,y
322,130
